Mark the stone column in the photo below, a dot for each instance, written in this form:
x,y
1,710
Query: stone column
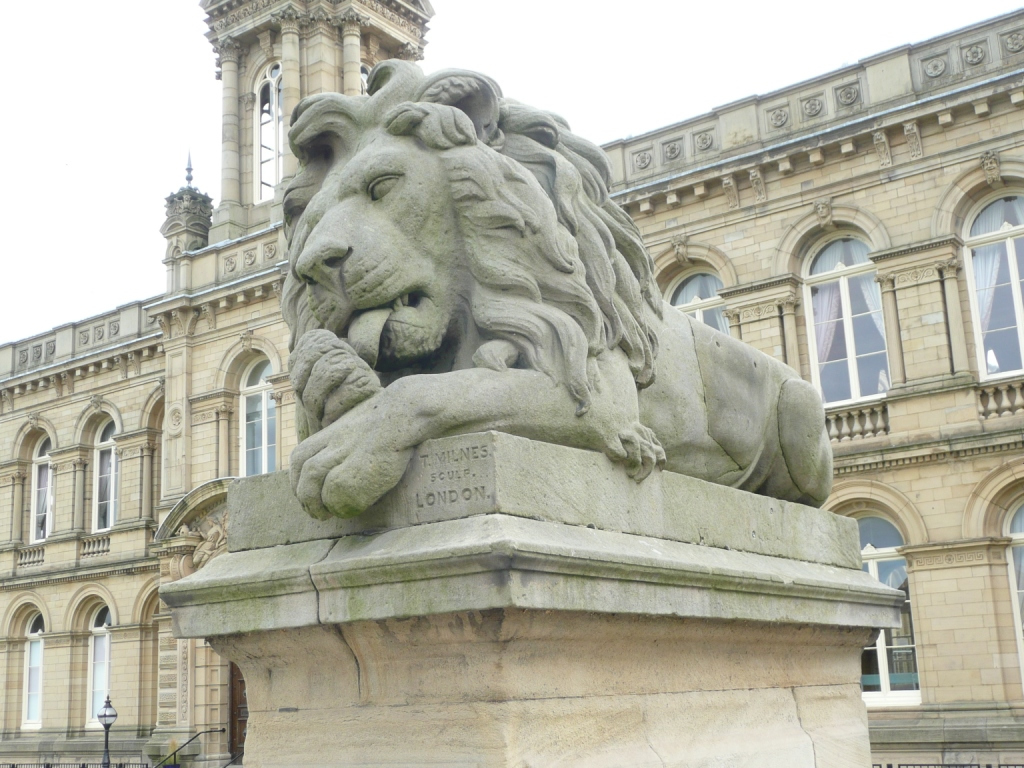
x,y
19,507
230,53
897,372
78,513
954,317
733,316
147,482
224,441
351,44
290,86
789,333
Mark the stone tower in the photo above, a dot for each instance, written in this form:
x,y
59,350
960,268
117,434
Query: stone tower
x,y
271,54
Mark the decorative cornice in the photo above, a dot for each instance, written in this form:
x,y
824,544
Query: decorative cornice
x,y
782,281
924,245
955,554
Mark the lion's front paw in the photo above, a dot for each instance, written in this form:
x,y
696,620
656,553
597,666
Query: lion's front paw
x,y
638,449
329,378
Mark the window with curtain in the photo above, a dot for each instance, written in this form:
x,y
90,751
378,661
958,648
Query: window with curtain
x,y
32,715
42,492
104,506
697,296
889,666
99,662
846,330
259,429
996,247
270,132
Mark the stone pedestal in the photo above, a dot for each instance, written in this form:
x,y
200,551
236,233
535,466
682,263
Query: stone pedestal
x,y
514,603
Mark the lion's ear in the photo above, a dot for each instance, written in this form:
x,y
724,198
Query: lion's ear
x,y
475,94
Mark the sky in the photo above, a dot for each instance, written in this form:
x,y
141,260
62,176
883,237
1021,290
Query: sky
x,y
107,110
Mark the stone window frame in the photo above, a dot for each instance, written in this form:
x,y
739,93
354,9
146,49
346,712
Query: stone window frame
x,y
1015,508
870,557
696,309
99,627
41,459
815,248
970,243
103,446
268,408
263,191
33,637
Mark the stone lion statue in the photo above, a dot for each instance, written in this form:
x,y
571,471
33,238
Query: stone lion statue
x,y
456,265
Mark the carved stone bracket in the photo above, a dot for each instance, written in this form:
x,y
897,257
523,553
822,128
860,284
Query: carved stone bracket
x,y
350,20
757,182
882,149
208,312
913,135
732,194
288,20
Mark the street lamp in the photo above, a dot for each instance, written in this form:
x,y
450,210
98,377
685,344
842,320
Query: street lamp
x,y
106,716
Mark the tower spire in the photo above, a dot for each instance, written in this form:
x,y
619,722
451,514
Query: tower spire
x,y
188,171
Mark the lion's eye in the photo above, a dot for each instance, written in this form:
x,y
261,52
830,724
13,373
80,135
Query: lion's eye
x,y
381,186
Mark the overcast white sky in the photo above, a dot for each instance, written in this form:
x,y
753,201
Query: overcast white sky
x,y
105,106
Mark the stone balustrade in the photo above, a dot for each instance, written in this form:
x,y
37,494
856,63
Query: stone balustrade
x,y
1005,398
856,422
31,556
96,545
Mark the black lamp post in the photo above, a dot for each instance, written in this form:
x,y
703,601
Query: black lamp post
x,y
106,716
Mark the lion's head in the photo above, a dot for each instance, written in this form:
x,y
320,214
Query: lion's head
x,y
433,216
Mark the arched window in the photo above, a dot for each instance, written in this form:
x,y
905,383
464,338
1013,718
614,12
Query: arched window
x,y
996,244
697,296
847,335
99,662
259,431
364,79
42,492
270,133
32,713
104,505
889,666
1016,533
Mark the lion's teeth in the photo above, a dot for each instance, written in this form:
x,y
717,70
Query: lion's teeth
x,y
397,305
405,300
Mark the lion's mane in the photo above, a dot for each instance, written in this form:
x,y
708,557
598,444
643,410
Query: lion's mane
x,y
560,271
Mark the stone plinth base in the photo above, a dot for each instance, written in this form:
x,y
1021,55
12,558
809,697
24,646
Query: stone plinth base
x,y
554,614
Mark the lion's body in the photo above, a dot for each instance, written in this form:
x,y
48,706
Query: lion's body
x,y
454,246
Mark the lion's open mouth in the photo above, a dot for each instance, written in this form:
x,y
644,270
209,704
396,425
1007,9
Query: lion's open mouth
x,y
368,329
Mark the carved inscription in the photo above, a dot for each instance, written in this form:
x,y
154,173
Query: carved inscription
x,y
451,476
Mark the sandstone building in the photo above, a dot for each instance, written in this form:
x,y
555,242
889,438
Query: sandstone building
x,y
866,227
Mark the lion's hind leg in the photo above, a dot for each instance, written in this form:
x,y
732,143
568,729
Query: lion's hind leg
x,y
804,441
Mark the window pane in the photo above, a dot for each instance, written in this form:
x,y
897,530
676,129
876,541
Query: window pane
x,y
870,679
867,333
35,654
873,374
271,436
1009,210
893,573
879,533
259,374
835,381
1017,523
696,288
99,648
34,710
716,319
903,669
831,339
840,253
1002,351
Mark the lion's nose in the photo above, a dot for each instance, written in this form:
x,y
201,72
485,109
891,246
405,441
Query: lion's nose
x,y
321,264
